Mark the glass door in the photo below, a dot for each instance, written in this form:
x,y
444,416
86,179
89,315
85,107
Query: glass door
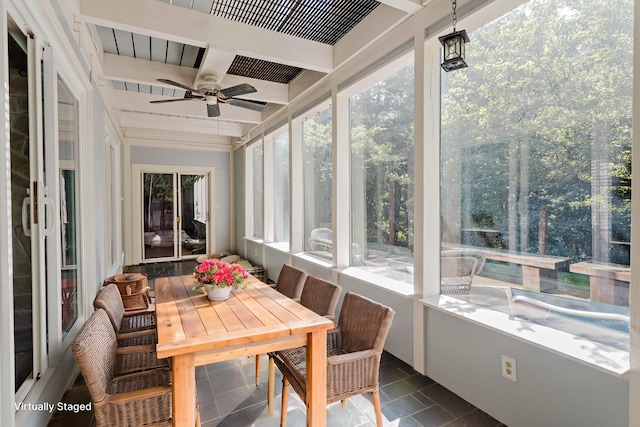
x,y
159,216
175,215
193,215
43,116
24,213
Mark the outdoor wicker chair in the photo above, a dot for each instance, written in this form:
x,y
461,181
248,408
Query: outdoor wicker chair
x,y
321,297
137,399
290,283
131,328
131,358
354,350
457,268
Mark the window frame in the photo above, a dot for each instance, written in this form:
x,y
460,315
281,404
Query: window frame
x,y
396,62
272,186
253,224
298,139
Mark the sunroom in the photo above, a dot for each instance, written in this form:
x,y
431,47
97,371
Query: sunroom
x,y
489,206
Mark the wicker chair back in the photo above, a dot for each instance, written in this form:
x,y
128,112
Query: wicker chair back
x,y
291,281
320,296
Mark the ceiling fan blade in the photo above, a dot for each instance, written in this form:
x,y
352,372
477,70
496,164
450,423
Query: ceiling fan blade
x,y
180,85
251,105
213,110
240,89
160,101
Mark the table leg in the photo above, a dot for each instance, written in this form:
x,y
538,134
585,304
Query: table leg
x,y
317,379
184,390
271,385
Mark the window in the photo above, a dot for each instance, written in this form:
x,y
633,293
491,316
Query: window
x,y
255,168
279,141
317,157
536,150
381,136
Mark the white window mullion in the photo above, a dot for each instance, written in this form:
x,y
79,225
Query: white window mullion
x,y
268,188
341,181
296,178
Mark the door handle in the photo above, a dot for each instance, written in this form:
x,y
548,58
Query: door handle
x,y
26,225
48,230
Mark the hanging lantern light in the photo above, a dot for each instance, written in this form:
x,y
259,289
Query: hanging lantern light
x,y
453,46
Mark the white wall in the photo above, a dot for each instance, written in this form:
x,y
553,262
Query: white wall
x,y
552,390
97,169
219,160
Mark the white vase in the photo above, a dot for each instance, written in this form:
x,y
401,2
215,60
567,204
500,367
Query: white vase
x,y
216,293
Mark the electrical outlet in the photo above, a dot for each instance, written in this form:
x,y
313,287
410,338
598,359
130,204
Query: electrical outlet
x,y
509,368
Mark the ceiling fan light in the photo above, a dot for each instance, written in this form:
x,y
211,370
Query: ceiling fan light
x,y
211,100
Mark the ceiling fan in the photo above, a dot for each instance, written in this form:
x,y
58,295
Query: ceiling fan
x,y
211,93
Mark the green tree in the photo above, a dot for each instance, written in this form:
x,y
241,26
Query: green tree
x,y
546,111
382,144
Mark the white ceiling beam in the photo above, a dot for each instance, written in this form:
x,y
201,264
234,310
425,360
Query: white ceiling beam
x,y
303,82
123,68
142,71
135,101
409,6
215,62
162,127
373,27
161,20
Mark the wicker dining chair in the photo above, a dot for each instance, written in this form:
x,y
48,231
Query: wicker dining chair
x,y
319,296
142,398
354,350
131,358
131,328
290,283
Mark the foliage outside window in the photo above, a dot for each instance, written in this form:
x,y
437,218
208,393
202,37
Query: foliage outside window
x,y
318,180
536,145
281,185
382,195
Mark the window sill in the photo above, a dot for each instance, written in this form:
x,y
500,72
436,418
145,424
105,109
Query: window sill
x,y
314,259
280,246
396,286
598,356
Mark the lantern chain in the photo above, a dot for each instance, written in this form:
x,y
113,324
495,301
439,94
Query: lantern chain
x,y
455,16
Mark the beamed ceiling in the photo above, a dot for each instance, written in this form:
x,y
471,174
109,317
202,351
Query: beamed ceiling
x,y
276,46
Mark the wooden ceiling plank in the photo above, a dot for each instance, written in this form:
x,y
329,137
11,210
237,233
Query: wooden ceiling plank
x,y
142,46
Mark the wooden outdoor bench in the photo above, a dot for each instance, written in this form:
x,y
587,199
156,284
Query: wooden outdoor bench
x,y
609,283
539,272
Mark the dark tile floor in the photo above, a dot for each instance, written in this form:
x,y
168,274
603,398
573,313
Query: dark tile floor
x,y
228,395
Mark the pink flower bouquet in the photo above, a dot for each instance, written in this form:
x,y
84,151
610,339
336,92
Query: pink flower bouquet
x,y
220,273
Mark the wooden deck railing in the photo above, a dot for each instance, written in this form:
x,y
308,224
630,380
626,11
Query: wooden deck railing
x,y
539,272
609,283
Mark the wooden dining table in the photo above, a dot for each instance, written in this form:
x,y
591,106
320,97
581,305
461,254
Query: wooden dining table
x,y
194,331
